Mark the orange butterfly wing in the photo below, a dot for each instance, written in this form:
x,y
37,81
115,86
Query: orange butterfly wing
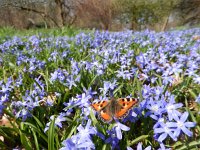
x,y
103,108
106,115
99,105
125,105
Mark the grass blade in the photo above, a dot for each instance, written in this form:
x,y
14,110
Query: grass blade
x,y
51,135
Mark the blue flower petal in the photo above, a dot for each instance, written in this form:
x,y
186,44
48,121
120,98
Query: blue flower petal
x,y
139,146
86,145
162,137
177,132
129,148
175,116
123,127
158,130
68,144
108,140
148,148
118,133
171,124
190,124
184,116
179,105
172,136
186,131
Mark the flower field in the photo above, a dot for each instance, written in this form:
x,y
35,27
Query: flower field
x,y
48,85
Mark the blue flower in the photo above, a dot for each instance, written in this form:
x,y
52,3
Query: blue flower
x,y
53,56
24,109
1,107
157,108
125,74
71,82
118,127
18,81
89,91
54,76
82,140
24,114
85,132
83,100
162,147
112,139
198,99
172,107
160,120
68,145
139,147
167,79
59,74
190,72
5,89
4,98
58,121
163,131
181,125
74,67
196,79
175,68
108,86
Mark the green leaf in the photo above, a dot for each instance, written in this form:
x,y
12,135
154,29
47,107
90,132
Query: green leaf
x,y
106,147
12,65
189,145
93,80
94,120
118,89
57,141
51,135
25,141
3,145
178,143
139,89
140,138
41,133
6,132
38,122
71,129
192,93
35,139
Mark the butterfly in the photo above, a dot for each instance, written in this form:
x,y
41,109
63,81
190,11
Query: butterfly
x,y
114,108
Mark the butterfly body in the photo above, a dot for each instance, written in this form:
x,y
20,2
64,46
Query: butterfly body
x,y
114,108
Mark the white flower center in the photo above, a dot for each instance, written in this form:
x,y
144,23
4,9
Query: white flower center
x,y
170,107
57,119
154,108
161,120
180,124
166,129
